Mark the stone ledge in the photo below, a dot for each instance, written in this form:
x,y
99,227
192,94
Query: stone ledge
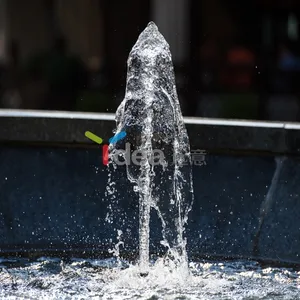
x,y
210,134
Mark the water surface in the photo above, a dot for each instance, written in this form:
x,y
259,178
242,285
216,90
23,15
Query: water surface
x,y
53,278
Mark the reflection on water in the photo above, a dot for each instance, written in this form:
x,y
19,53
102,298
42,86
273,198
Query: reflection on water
x,y
49,278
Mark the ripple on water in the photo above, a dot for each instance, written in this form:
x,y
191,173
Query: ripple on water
x,y
48,278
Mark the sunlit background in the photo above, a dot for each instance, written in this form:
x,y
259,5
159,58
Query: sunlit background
x,y
232,58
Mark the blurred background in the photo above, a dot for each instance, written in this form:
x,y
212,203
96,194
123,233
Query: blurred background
x,y
232,58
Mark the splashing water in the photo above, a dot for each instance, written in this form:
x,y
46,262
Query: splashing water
x,y
150,115
267,203
52,278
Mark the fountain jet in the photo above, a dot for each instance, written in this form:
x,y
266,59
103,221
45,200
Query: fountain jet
x,y
150,115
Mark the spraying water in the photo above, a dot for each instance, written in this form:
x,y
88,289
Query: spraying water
x,y
150,115
267,203
159,163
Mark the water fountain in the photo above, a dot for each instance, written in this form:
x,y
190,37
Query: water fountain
x,y
156,170
150,115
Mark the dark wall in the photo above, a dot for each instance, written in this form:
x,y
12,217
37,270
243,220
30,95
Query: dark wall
x,y
53,196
